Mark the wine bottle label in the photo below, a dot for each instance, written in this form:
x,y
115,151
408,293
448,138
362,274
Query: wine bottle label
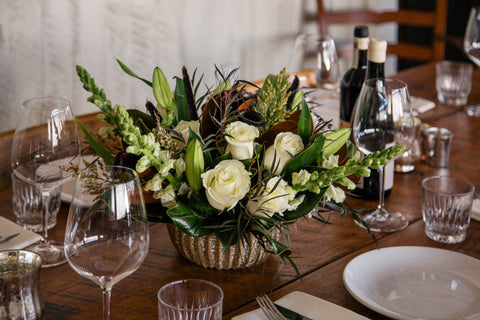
x,y
388,175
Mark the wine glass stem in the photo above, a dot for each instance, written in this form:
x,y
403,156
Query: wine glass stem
x,y
106,303
45,208
381,187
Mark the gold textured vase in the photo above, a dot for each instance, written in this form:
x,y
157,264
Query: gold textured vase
x,y
207,251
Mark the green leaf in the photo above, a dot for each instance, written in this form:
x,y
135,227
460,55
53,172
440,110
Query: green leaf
x,y
142,120
304,129
306,157
131,73
334,141
161,89
188,220
309,203
99,149
182,109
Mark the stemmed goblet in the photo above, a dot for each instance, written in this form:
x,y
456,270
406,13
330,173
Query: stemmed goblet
x,y
107,237
471,45
45,138
383,118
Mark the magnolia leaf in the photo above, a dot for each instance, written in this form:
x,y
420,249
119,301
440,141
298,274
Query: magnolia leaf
x,y
309,203
181,103
306,157
334,141
99,149
128,71
305,123
188,220
161,89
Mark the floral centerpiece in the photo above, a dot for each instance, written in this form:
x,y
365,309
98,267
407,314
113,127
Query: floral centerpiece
x,y
238,162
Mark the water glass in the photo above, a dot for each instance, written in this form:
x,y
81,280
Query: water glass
x,y
446,206
190,299
453,81
317,53
27,205
20,293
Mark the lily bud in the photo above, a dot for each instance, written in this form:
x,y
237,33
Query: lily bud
x,y
194,162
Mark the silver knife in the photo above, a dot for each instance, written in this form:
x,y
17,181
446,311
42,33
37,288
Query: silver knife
x,y
10,237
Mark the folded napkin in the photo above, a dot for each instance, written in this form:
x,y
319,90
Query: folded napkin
x,y
24,239
421,105
325,104
476,209
307,305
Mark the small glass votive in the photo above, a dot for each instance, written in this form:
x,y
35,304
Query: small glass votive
x,y
446,207
453,81
190,299
436,145
27,205
20,293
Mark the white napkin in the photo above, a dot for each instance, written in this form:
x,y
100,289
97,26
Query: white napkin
x,y
421,105
307,305
475,210
326,104
24,239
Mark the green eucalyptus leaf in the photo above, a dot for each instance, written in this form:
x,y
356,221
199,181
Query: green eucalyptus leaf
x,y
161,89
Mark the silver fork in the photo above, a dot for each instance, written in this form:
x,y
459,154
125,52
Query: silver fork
x,y
268,308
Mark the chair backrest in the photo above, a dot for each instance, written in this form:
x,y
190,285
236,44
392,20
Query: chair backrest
x,y
436,20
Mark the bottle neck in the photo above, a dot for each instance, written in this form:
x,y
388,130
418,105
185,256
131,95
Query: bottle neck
x,y
375,70
360,49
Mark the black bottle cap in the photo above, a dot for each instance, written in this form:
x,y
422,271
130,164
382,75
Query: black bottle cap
x,y
361,32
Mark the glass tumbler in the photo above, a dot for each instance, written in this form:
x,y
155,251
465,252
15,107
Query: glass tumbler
x,y
190,299
446,206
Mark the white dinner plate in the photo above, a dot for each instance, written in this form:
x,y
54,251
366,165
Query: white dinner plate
x,y
416,283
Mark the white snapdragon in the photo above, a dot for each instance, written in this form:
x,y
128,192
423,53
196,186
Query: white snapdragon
x,y
240,137
277,197
167,196
334,193
226,184
331,162
286,146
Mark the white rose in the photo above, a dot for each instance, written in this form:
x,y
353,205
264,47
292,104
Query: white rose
x,y
184,126
286,146
277,197
240,137
226,184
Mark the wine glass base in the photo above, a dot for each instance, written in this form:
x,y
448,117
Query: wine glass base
x,y
383,221
52,253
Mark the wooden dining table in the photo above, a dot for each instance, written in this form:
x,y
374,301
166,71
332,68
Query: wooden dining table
x,y
320,250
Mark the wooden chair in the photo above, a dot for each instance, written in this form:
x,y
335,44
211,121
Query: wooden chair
x,y
436,20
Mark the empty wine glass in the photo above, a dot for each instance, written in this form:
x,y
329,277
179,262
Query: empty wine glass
x,y
471,45
106,237
317,53
45,139
383,118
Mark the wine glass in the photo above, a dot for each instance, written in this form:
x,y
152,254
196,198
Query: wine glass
x,y
45,139
471,45
106,237
318,53
383,118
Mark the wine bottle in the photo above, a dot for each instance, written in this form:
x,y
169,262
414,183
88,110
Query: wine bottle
x,y
352,80
368,187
